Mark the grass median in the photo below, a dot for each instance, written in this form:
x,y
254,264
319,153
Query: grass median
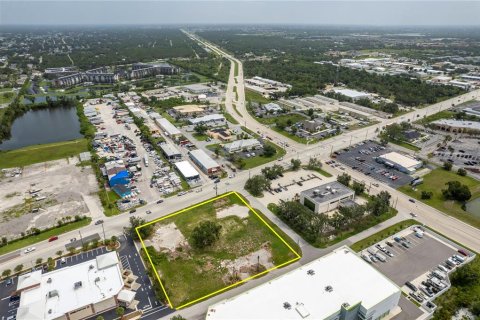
x,y
55,231
42,153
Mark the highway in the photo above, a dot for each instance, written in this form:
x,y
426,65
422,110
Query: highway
x,y
451,227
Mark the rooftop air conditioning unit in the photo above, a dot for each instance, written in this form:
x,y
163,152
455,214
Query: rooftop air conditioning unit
x,y
49,280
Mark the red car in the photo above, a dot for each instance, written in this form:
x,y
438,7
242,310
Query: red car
x,y
463,252
52,238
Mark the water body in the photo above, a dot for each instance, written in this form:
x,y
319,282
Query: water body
x,y
43,126
473,207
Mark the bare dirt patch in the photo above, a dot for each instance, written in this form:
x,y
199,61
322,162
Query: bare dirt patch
x,y
246,266
168,237
235,210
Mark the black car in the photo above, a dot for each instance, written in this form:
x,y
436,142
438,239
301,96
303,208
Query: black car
x,y
133,211
99,222
14,298
159,201
411,286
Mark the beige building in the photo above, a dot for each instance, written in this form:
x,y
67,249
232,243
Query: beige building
x,y
77,292
190,110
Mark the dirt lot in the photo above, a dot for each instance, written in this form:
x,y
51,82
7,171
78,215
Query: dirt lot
x,y
64,189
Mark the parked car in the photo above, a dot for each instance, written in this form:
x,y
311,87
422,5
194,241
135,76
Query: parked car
x,y
30,249
99,222
133,211
53,238
411,200
149,212
9,282
159,201
411,286
463,252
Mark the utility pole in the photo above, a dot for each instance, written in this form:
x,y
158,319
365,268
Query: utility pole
x,y
81,239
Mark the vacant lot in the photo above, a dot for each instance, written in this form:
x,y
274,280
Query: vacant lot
x,y
63,189
435,181
246,247
41,153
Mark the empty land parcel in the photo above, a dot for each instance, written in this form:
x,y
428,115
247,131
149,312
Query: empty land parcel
x,y
246,247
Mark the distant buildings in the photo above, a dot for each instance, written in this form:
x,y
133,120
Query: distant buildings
x,y
337,286
76,292
142,70
326,197
198,88
457,126
401,162
266,87
98,75
353,94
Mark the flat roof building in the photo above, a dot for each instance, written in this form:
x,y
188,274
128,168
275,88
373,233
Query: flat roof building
x,y
323,289
189,109
353,94
401,162
197,88
210,120
326,197
239,145
169,129
457,126
170,151
187,170
75,292
204,161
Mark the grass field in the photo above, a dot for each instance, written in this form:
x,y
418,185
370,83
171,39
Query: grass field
x,y
41,153
196,273
255,97
405,145
200,137
435,181
108,200
380,235
437,116
229,118
44,236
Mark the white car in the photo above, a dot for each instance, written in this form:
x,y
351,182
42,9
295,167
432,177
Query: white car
x,y
30,249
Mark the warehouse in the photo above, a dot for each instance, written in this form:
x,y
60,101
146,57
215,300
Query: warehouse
x,y
326,197
457,126
239,145
169,129
75,292
323,289
187,171
401,162
204,161
211,120
353,94
197,88
189,110
170,152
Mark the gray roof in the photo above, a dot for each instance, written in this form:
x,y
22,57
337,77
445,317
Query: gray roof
x,y
203,158
169,150
327,192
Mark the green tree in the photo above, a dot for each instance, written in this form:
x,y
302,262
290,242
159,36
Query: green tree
x,y
447,166
256,185
177,317
379,203
456,191
344,179
296,164
59,253
38,261
314,164
358,187
144,231
120,311
426,195
100,318
18,268
200,129
462,172
269,150
6,272
205,234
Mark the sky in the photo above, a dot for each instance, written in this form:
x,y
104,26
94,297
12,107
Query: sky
x,y
184,12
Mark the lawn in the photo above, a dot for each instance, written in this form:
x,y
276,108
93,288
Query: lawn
x,y
190,274
286,118
44,236
383,234
255,97
435,181
41,153
405,145
229,118
437,116
108,200
200,137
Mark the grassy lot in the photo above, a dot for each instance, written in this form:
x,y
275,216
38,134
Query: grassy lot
x,y
108,200
229,118
41,153
435,181
195,273
255,97
200,137
321,171
44,236
5,99
405,145
437,116
380,235
293,118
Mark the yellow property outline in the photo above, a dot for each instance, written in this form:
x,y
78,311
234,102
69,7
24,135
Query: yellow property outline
x,y
227,287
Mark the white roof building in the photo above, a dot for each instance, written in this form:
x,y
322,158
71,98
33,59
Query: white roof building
x,y
457,125
353,94
71,291
323,289
168,127
402,162
204,161
241,145
187,170
272,107
209,119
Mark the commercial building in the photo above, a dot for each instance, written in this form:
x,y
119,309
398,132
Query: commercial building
x,y
167,127
401,162
353,94
204,161
189,110
457,126
221,134
51,73
98,75
211,120
142,70
266,87
323,289
326,197
197,88
240,145
117,173
187,171
272,107
473,111
170,152
76,292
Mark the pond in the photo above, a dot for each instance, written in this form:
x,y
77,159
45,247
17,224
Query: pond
x,y
473,207
43,126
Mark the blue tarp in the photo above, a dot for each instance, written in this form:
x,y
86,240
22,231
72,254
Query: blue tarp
x,y
120,178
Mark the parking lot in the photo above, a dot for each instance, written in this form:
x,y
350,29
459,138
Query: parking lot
x,y
361,157
129,259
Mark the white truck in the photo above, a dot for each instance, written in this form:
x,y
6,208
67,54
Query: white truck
x,y
145,160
